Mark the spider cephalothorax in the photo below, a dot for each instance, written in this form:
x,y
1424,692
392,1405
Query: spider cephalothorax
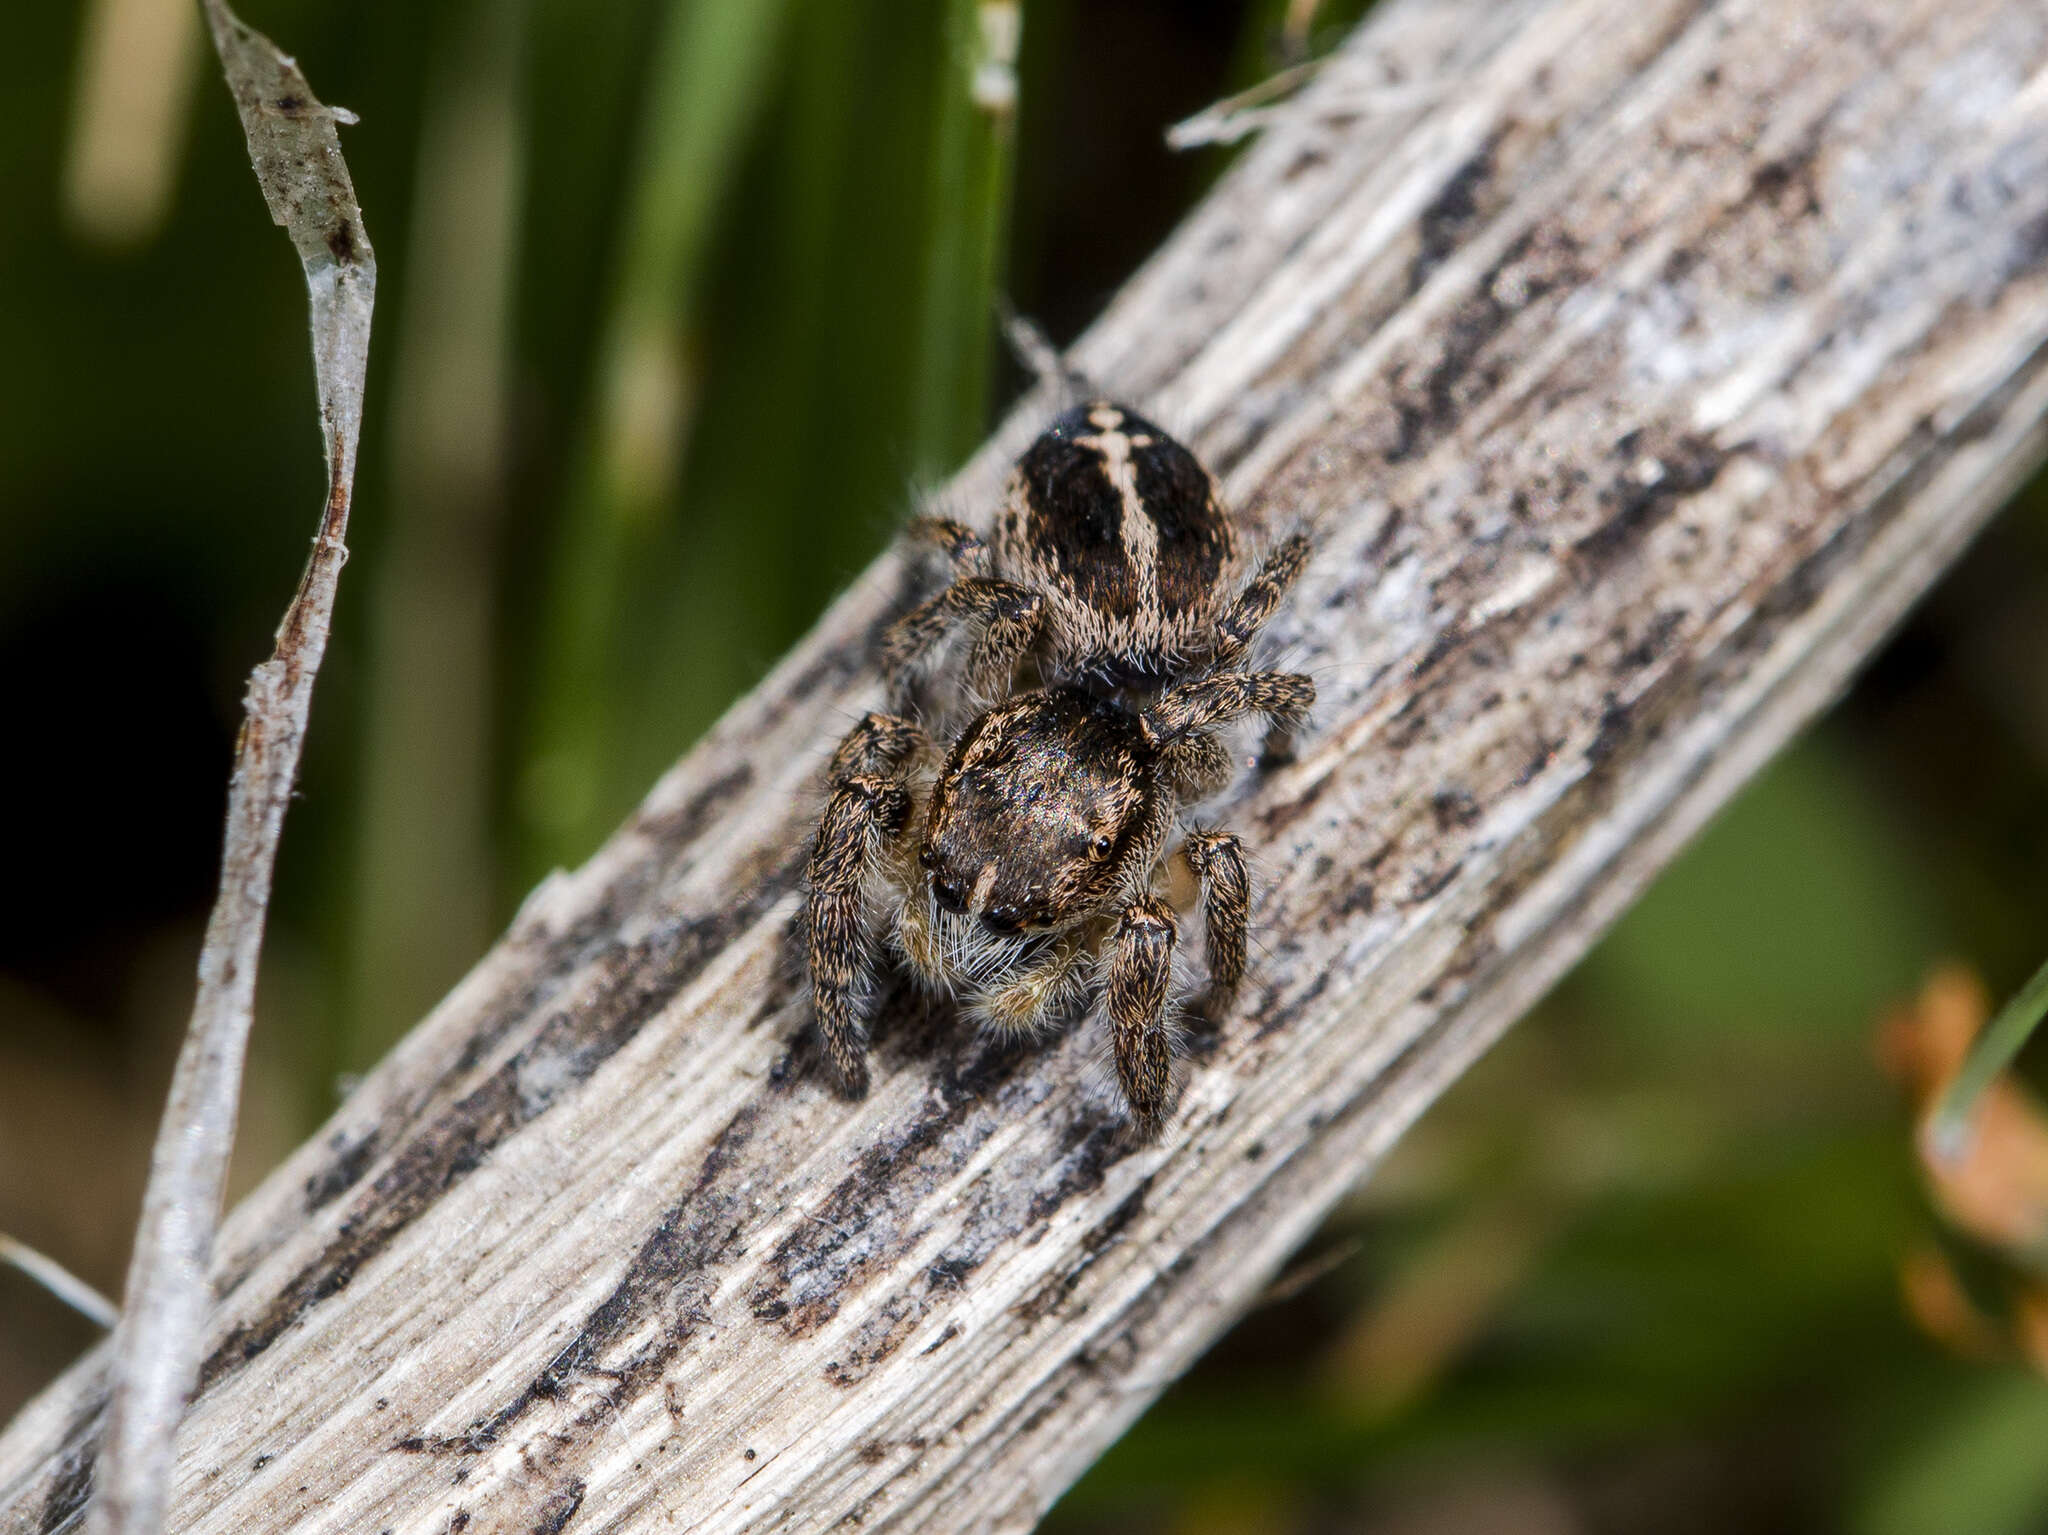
x,y
1112,561
1025,863
1040,805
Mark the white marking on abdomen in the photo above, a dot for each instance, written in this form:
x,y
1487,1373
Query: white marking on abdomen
x,y
1139,533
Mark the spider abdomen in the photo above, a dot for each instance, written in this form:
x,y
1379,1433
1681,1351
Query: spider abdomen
x,y
1120,527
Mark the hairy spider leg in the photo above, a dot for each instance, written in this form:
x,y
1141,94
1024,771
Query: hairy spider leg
x,y
880,743
1283,697
1197,767
1217,858
869,807
907,646
1255,606
965,550
1140,975
1007,636
1252,610
1006,616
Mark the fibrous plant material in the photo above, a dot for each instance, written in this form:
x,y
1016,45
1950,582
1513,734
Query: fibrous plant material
x,y
59,1281
297,157
1631,385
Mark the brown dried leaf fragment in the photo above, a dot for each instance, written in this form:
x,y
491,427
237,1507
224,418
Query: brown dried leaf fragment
x,y
297,158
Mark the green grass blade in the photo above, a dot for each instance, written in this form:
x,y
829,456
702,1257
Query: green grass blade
x,y
706,89
422,896
967,225
1995,1049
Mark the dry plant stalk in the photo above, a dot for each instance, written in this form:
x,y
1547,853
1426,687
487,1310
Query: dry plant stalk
x,y
158,1341
1634,380
59,1281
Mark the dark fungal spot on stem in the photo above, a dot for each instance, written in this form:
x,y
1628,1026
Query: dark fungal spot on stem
x,y
1449,219
1054,1292
678,828
1539,261
352,1158
637,980
559,960
666,1283
1664,468
559,1509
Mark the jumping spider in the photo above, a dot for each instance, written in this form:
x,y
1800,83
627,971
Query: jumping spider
x,y
1032,857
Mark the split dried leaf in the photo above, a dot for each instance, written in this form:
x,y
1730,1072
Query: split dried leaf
x,y
297,158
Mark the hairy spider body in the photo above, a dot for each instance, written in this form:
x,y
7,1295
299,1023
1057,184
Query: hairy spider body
x,y
1112,562
1023,868
1025,862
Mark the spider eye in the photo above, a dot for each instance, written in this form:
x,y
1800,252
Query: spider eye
x,y
926,857
1101,846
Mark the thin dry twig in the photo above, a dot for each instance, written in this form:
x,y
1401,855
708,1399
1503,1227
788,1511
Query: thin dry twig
x,y
58,1280
297,158
1239,115
1250,110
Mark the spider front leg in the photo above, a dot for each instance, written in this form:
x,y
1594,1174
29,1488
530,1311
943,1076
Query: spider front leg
x,y
1140,975
869,807
1006,614
1217,858
1283,697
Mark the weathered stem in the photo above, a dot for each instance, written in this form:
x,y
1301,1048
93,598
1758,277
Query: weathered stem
x,y
159,1339
1633,383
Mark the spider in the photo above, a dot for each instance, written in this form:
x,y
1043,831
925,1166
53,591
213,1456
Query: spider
x,y
1031,860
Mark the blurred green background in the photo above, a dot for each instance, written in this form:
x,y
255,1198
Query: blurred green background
x,y
679,302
